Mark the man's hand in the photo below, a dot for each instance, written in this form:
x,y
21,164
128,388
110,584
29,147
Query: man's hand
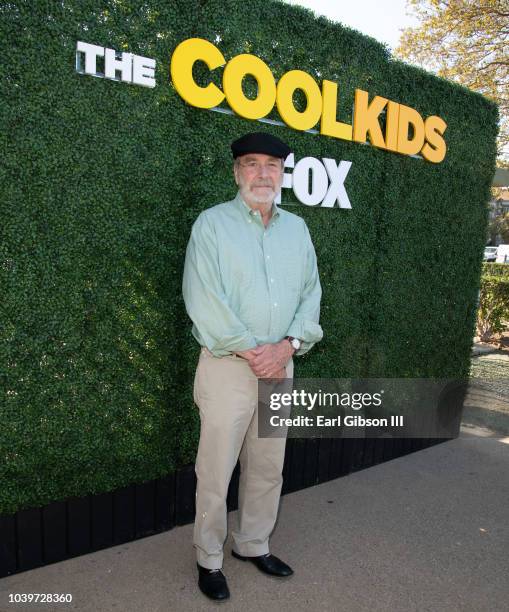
x,y
277,375
269,360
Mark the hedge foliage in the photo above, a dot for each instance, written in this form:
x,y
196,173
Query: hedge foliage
x,y
493,312
495,269
101,181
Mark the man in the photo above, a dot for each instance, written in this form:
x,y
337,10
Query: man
x,y
252,290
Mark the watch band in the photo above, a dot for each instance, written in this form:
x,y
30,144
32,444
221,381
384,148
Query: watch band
x,y
295,342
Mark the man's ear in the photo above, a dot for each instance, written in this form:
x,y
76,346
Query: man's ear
x,y
235,173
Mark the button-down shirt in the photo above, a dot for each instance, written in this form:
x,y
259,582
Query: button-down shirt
x,y
246,284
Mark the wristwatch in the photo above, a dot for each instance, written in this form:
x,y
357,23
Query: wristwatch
x,y
295,342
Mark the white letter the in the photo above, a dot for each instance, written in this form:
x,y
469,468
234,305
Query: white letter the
x,y
124,65
92,52
143,71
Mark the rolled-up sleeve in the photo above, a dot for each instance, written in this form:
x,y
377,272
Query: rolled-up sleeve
x,y
305,324
218,327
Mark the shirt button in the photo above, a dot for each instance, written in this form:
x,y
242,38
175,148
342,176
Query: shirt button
x,y
275,303
268,256
271,280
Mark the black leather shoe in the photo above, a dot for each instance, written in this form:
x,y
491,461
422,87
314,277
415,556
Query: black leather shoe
x,y
212,583
268,564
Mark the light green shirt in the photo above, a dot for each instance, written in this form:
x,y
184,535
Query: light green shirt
x,y
246,285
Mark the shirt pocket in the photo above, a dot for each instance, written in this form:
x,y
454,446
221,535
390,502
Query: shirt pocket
x,y
238,267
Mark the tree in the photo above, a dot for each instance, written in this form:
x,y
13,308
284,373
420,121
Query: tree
x,y
500,227
466,41
493,310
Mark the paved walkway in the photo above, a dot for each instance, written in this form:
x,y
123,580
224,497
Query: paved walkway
x,y
425,532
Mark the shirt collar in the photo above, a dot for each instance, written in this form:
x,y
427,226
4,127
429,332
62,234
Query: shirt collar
x,y
247,210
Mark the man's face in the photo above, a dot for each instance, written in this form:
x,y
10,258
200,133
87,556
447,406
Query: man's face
x,y
259,177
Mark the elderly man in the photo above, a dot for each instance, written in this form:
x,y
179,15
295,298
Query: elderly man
x,y
252,290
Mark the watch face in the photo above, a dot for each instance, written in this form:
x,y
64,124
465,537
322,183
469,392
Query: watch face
x,y
296,344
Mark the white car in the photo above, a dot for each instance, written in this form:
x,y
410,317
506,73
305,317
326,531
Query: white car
x,y
503,253
490,253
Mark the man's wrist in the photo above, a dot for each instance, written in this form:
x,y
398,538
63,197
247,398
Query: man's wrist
x,y
291,350
295,343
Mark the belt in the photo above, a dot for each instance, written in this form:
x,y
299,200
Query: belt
x,y
235,356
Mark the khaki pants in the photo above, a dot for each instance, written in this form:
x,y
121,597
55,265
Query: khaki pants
x,y
226,392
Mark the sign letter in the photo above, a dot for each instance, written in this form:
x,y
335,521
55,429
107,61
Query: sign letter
x,y
337,175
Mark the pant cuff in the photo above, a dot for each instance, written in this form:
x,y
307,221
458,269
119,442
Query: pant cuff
x,y
209,561
248,549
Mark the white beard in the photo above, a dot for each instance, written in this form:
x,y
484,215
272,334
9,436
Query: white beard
x,y
257,196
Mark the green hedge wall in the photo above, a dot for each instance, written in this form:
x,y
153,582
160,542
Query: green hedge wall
x,y
101,181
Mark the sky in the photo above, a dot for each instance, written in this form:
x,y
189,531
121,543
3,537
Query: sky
x,y
382,20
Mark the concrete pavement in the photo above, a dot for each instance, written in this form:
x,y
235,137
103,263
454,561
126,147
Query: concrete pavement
x,y
424,532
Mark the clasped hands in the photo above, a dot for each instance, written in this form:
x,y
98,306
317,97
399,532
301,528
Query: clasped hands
x,y
269,360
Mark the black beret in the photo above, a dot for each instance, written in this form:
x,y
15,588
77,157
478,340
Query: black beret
x,y
259,142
